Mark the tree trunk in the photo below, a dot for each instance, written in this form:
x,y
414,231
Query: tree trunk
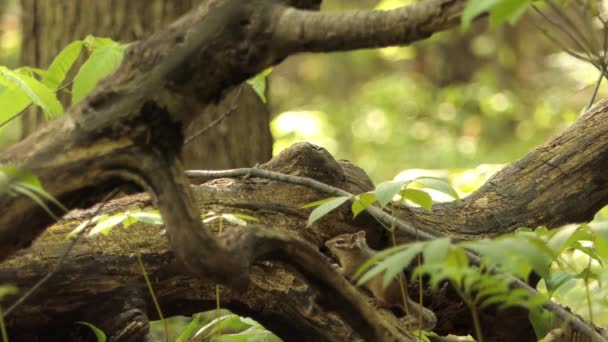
x,y
242,139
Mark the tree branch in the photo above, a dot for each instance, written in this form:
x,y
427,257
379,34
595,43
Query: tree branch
x,y
306,31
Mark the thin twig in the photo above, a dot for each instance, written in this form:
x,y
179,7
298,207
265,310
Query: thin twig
x,y
572,25
30,104
234,106
597,87
59,262
560,27
313,184
560,312
563,46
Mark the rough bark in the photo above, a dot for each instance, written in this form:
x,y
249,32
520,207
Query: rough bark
x,y
106,267
131,129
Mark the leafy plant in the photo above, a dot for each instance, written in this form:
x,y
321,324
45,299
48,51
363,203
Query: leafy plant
x,y
14,182
384,193
500,11
105,223
233,328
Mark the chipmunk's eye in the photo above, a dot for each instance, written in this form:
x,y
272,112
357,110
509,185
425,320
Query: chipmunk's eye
x,y
340,241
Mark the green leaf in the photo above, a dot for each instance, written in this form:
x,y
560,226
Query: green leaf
x,y
475,8
258,83
38,190
129,220
325,208
234,220
559,240
393,260
422,198
541,320
225,323
12,100
508,10
93,43
35,91
601,247
436,251
107,223
361,202
103,61
588,251
437,184
7,290
316,203
386,191
190,329
397,262
247,217
556,280
101,337
34,197
377,257
62,64
84,224
31,72
149,217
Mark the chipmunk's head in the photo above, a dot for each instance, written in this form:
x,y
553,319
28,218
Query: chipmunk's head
x,y
344,243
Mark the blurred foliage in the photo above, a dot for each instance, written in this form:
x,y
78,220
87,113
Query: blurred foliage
x,y
455,100
212,326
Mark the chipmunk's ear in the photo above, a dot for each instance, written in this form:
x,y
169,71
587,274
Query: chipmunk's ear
x,y
361,233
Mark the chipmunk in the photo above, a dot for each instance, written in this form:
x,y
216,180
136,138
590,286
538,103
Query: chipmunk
x,y
352,251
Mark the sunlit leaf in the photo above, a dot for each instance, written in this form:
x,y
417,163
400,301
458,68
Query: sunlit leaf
x,y
35,91
149,217
12,101
234,220
386,191
247,217
7,290
558,241
437,184
62,64
107,223
325,208
361,202
422,198
258,83
84,224
102,62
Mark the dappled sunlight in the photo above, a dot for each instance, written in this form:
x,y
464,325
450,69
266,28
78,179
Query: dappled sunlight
x,y
295,126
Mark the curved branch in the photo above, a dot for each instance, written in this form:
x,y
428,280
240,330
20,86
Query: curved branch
x,y
306,31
